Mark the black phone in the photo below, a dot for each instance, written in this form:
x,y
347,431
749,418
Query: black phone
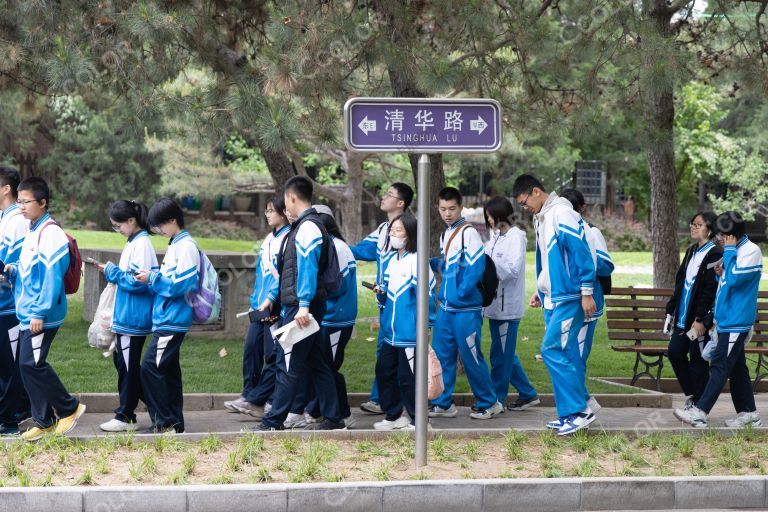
x,y
258,316
2,266
368,285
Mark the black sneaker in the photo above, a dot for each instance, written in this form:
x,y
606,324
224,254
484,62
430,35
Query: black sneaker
x,y
521,405
327,425
157,429
263,427
9,430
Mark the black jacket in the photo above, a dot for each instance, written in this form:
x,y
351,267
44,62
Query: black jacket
x,y
704,289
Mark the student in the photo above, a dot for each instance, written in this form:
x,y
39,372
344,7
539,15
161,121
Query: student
x,y
335,331
14,402
565,273
258,350
132,317
603,269
734,317
459,321
688,308
41,305
506,248
395,365
171,317
302,263
375,247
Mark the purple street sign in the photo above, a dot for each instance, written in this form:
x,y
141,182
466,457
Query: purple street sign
x,y
422,125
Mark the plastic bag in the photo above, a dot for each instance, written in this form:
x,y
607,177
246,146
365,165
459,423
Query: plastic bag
x,y
100,333
435,385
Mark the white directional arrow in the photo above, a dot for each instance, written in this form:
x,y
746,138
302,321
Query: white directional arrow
x,y
367,125
478,125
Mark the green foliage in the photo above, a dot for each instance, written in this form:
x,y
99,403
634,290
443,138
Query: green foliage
x,y
92,155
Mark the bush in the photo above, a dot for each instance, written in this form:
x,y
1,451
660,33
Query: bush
x,y
204,228
621,235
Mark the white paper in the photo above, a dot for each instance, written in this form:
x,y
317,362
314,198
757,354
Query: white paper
x,y
290,334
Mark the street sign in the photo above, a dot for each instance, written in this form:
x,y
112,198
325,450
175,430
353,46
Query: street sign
x,y
422,125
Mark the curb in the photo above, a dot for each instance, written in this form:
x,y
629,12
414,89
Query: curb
x,y
107,402
538,494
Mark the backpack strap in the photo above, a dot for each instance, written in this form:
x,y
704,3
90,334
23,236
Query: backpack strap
x,y
40,233
453,235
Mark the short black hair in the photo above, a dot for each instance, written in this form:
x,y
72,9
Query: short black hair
x,y
710,219
575,197
405,192
123,210
39,189
330,226
10,176
524,184
301,186
499,209
278,203
731,223
410,225
450,194
165,210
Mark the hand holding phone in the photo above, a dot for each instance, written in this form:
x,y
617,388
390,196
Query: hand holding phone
x,y
368,285
93,261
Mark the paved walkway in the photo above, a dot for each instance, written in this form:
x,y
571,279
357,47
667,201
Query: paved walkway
x,y
633,420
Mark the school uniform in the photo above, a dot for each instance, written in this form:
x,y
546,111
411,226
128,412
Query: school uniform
x,y
565,271
395,366
14,402
258,351
299,267
336,331
734,316
694,297
603,268
131,319
171,319
375,247
459,320
508,254
38,282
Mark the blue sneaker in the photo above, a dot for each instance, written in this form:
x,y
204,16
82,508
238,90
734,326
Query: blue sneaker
x,y
9,430
556,424
576,422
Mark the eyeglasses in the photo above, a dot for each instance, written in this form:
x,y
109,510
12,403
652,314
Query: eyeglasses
x,y
524,203
390,194
269,211
155,229
697,226
21,202
115,227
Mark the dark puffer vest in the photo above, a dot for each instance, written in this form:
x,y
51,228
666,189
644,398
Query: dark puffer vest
x,y
287,263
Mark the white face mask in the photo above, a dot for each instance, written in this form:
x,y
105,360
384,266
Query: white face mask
x,y
396,243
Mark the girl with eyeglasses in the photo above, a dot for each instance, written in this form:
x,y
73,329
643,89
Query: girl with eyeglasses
x,y
132,316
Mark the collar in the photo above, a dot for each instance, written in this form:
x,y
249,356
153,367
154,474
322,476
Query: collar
x,y
744,240
138,234
458,223
707,246
281,231
306,212
401,257
42,220
8,210
182,235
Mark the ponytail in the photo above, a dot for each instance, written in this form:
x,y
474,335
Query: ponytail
x,y
122,210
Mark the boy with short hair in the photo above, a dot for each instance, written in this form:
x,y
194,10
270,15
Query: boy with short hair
x,y
459,322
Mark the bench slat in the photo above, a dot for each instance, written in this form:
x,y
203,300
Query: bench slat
x,y
631,324
629,313
632,303
666,292
643,349
628,335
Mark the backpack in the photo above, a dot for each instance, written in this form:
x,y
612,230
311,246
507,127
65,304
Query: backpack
x,y
330,273
206,300
490,280
75,270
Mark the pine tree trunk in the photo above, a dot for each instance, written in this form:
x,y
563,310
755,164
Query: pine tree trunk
x,y
279,165
657,85
207,208
351,206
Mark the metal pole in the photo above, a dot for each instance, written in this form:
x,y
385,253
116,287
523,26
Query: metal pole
x,y
422,311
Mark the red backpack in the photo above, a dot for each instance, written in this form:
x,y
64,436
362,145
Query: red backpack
x,y
75,270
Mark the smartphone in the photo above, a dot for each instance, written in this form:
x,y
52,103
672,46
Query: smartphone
x,y
93,261
368,285
692,335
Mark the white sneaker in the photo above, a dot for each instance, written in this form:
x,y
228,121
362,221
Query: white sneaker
x,y
693,416
744,419
401,423
294,420
311,419
439,412
688,402
371,408
593,405
115,425
350,421
231,405
486,414
576,422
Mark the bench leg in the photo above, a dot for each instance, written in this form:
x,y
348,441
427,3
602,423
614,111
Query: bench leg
x,y
648,363
761,371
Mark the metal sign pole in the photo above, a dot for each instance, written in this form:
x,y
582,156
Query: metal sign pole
x,y
422,311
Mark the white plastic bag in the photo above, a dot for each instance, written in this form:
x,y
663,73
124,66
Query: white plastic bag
x,y
100,333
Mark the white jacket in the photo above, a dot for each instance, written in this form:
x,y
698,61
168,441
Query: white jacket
x,y
508,253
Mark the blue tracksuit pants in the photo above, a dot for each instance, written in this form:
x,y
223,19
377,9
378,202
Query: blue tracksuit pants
x,y
506,368
586,337
560,352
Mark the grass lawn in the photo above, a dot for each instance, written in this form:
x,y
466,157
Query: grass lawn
x,y
83,369
122,460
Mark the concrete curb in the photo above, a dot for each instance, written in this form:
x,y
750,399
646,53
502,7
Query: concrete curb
x,y
107,402
439,495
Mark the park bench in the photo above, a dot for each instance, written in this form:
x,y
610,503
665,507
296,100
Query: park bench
x,y
638,315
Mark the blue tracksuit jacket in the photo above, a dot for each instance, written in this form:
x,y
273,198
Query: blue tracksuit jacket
x,y
176,279
736,300
341,309
398,320
267,284
462,265
13,230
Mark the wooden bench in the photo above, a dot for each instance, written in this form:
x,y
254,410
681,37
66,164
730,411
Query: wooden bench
x,y
638,315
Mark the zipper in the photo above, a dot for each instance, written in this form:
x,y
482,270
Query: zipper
x,y
502,298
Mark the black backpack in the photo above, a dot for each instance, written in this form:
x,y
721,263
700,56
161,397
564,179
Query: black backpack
x,y
490,280
330,274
